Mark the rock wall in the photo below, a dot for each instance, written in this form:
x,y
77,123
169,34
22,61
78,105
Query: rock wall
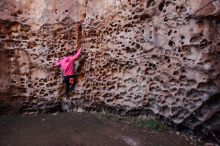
x,y
139,57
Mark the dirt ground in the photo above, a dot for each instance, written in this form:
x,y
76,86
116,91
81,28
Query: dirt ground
x,y
82,129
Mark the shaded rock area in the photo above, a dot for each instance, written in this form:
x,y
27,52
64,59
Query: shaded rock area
x,y
140,57
82,129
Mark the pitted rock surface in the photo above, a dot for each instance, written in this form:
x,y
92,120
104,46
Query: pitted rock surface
x,y
139,57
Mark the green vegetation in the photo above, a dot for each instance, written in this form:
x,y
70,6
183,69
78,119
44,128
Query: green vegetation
x,y
137,121
153,125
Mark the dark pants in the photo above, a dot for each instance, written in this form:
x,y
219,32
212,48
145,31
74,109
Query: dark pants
x,y
66,81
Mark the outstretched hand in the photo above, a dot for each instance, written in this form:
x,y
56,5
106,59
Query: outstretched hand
x,y
54,65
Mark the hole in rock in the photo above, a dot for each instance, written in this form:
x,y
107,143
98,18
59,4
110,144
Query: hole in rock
x,y
150,3
171,43
161,5
144,17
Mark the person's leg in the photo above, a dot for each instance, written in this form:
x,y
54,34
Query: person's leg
x,y
74,83
66,80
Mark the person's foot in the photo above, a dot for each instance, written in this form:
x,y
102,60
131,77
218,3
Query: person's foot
x,y
67,96
73,90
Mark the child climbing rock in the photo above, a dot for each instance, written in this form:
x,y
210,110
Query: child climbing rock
x,y
68,68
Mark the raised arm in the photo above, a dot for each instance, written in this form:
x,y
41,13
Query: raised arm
x,y
58,63
76,55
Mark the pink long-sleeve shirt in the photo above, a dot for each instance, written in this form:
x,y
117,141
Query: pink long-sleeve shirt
x,y
67,64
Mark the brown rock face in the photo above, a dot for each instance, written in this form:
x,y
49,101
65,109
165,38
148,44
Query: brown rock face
x,y
139,57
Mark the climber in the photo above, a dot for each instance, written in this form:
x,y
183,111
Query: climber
x,y
68,69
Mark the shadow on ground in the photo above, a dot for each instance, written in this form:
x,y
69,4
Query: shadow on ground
x,y
82,129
